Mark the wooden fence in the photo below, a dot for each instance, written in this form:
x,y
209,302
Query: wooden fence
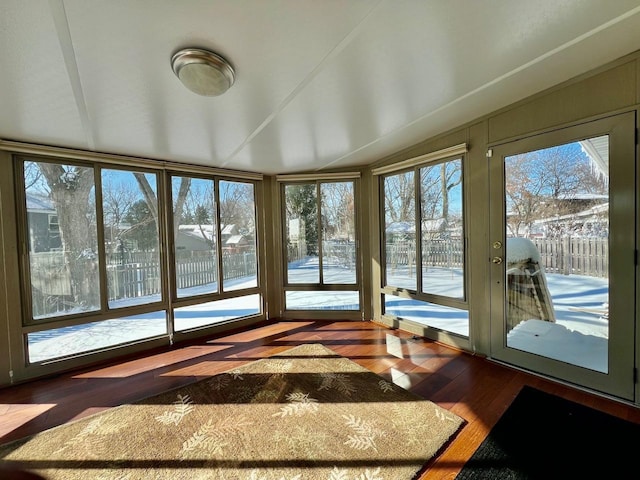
x,y
136,274
567,256
575,256
140,275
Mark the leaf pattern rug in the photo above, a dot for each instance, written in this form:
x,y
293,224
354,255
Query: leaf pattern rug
x,y
305,414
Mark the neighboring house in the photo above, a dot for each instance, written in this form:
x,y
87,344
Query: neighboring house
x,y
591,221
233,241
202,237
42,218
236,244
195,237
431,229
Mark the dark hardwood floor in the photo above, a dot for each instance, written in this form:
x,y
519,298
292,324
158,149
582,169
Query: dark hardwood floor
x,y
474,388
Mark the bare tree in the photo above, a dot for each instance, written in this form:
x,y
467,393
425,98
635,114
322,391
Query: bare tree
x,y
71,190
178,203
32,175
200,203
545,183
237,206
399,198
152,200
338,210
117,200
433,192
437,183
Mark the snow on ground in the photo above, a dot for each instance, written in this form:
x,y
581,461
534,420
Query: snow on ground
x,y
568,292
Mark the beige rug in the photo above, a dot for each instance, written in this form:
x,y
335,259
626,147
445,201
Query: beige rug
x,y
304,414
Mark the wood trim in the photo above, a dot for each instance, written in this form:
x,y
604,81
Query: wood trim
x,y
453,151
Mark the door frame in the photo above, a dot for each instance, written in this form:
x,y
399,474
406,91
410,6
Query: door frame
x,y
619,381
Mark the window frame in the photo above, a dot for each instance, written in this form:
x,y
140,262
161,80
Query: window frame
x,y
166,304
320,286
105,312
457,152
221,293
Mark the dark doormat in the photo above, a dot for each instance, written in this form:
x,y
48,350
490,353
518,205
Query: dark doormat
x,y
545,436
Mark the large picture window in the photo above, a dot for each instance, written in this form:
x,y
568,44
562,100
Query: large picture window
x,y
97,269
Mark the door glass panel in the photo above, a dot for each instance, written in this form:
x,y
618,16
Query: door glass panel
x,y
301,223
62,239
442,229
400,231
557,225
338,233
238,235
194,231
130,217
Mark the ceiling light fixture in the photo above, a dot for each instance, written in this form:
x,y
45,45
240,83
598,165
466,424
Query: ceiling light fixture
x,y
203,72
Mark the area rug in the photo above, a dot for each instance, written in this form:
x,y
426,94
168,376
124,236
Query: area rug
x,y
543,436
307,413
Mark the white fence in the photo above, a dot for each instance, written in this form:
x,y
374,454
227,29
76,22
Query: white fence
x,y
130,275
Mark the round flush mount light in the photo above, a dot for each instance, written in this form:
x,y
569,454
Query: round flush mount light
x,y
203,72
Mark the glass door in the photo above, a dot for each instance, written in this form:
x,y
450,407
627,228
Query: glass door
x,y
562,252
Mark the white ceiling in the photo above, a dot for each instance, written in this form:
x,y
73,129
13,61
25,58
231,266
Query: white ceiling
x,y
320,84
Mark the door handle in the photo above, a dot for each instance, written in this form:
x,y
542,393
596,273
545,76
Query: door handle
x,y
497,260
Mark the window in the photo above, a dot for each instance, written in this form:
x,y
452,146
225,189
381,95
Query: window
x,y
96,275
423,247
238,235
400,230
93,248
442,229
217,311
321,249
131,237
214,235
54,231
64,276
194,236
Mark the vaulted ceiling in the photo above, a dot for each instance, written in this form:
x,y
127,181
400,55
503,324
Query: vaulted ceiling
x,y
321,84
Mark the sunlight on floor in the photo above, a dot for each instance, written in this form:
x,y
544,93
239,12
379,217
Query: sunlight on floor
x,y
28,412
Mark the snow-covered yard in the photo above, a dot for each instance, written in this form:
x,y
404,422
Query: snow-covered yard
x,y
568,293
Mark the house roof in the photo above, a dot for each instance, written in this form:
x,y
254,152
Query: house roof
x,y
593,212
428,225
38,203
228,229
597,149
201,232
234,239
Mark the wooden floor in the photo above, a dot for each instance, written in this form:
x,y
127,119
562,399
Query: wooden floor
x,y
474,388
